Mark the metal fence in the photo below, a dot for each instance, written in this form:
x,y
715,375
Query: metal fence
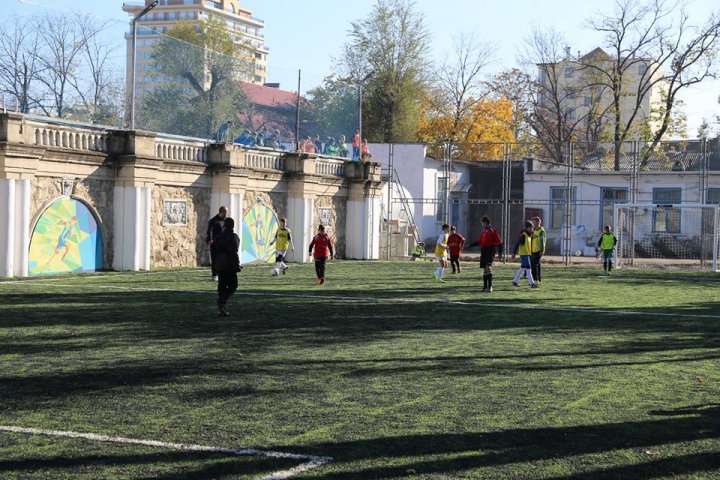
x,y
572,187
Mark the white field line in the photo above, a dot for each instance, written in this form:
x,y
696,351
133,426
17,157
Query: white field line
x,y
397,300
311,461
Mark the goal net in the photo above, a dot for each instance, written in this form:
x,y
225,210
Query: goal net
x,y
681,235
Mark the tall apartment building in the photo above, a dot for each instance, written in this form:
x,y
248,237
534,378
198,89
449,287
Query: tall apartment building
x,y
240,23
586,100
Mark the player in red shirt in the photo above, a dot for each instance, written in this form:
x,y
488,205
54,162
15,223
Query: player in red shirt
x,y
455,245
323,248
489,242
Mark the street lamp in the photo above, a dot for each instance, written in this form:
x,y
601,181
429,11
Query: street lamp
x,y
132,64
360,97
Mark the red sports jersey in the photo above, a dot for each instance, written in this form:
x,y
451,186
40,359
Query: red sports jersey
x,y
322,244
455,243
489,238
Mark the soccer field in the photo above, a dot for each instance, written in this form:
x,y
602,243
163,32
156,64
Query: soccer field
x,y
379,373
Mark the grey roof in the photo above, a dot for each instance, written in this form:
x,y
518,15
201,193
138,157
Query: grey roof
x,y
656,162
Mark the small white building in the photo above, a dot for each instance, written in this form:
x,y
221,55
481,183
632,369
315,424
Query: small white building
x,y
423,178
596,190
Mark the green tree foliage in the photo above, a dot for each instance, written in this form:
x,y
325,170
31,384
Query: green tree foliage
x,y
334,105
391,45
202,68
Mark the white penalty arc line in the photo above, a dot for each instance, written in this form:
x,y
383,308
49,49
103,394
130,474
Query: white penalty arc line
x,y
396,300
310,461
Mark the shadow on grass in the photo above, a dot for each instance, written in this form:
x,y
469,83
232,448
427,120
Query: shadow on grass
x,y
178,465
517,447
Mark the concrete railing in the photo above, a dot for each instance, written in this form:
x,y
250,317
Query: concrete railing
x,y
71,137
265,160
177,149
330,166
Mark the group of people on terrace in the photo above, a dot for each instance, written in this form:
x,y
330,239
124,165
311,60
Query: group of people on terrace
x,y
337,147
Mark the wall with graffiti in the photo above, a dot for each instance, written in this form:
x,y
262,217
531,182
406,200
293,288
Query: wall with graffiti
x,y
258,231
66,239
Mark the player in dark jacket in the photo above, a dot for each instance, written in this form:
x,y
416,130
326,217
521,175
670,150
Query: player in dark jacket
x,y
323,248
227,264
215,228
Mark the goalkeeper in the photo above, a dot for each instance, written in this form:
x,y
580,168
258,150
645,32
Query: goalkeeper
x,y
606,244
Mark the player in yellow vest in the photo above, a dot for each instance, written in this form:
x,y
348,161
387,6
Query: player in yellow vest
x,y
524,249
282,241
607,244
441,253
539,240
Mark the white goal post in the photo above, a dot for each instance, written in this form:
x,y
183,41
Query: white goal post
x,y
677,235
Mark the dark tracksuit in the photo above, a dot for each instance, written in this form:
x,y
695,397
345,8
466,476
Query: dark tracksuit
x,y
226,264
215,228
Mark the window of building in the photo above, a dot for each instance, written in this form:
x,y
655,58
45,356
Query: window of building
x,y
609,196
569,72
642,69
440,198
666,219
557,206
587,101
713,195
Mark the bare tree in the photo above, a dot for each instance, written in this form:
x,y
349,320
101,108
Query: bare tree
x,y
98,88
18,62
518,87
59,55
554,118
460,84
644,39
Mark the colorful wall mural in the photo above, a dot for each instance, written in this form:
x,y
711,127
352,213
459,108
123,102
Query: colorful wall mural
x,y
66,239
258,230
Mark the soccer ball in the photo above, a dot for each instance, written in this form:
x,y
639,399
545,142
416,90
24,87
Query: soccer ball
x,y
274,272
578,253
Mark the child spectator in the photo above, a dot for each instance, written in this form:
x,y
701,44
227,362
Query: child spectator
x,y
419,251
356,146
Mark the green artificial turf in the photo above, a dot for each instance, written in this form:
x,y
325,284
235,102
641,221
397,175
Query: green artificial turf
x,y
386,371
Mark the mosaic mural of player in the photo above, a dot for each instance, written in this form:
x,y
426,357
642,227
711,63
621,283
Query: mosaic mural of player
x,y
66,239
258,229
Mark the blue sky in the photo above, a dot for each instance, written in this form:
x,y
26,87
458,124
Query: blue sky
x,y
308,34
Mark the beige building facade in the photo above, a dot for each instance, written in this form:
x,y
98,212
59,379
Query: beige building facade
x,y
581,86
245,28
83,198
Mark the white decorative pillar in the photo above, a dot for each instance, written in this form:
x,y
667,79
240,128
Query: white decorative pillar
x,y
303,185
7,228
300,212
132,205
131,227
22,227
362,236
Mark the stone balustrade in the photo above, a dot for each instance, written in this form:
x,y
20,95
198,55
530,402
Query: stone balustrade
x,y
330,166
264,160
168,148
71,137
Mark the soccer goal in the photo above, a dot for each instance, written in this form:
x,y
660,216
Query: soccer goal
x,y
680,235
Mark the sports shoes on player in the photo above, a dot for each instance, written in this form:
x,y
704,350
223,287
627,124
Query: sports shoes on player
x,y
285,269
215,278
489,290
317,282
222,311
322,280
534,285
515,284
